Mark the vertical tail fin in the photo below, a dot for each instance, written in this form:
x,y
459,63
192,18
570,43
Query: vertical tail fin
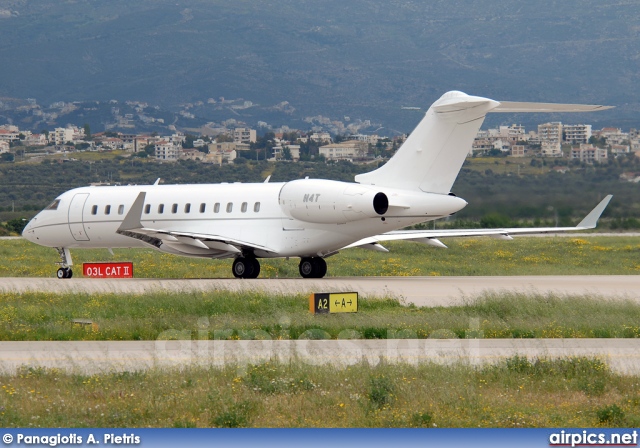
x,y
433,154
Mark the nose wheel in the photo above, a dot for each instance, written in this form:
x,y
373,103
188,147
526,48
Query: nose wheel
x,y
64,273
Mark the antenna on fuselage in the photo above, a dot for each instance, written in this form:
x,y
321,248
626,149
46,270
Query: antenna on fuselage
x,y
266,181
157,182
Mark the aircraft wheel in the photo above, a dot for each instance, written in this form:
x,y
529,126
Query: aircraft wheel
x,y
239,267
307,267
255,268
245,267
321,267
64,273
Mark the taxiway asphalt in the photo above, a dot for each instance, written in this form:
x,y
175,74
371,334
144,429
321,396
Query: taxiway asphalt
x,y
422,291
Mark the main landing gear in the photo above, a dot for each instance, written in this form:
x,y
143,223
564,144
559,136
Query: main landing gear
x,y
65,263
312,267
246,267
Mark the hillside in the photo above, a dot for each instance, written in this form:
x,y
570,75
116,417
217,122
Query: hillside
x,y
361,59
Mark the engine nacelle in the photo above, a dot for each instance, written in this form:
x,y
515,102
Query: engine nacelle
x,y
327,201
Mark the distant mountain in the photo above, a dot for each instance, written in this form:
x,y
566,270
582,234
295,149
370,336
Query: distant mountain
x,y
295,59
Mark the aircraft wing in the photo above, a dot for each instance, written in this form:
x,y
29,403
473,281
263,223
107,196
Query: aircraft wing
x,y
431,236
179,242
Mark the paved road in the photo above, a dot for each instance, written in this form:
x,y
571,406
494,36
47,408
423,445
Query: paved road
x,y
423,291
622,355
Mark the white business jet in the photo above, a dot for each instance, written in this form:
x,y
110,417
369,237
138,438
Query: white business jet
x,y
307,218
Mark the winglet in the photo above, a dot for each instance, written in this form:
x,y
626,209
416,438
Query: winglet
x,y
132,220
591,220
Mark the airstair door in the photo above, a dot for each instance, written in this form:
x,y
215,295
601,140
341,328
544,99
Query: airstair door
x,y
76,224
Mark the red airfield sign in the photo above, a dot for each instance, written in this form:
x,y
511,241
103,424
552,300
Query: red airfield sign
x,y
122,269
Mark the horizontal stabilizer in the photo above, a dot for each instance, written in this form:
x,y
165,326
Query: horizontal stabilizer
x,y
511,106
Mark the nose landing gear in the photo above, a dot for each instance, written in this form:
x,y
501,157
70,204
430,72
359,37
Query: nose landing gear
x,y
65,263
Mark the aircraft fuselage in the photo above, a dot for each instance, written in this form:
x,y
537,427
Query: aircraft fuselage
x,y
307,217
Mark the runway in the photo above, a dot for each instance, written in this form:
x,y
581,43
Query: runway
x,y
422,291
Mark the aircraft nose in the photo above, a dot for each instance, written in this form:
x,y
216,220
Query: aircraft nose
x,y
29,232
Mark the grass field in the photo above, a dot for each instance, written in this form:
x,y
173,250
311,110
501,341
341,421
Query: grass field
x,y
253,315
518,393
465,256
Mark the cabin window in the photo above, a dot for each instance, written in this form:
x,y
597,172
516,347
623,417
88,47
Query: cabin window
x,y
53,205
107,209
203,207
243,208
174,208
120,209
161,208
256,207
147,209
216,208
187,208
229,207
94,210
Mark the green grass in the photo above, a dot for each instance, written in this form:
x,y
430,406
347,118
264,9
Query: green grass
x,y
465,256
258,315
575,392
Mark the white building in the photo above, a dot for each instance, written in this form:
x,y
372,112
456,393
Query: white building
x,y
551,149
60,136
244,135
320,137
36,140
589,154
620,149
221,155
577,133
351,149
9,136
369,139
550,132
293,149
166,150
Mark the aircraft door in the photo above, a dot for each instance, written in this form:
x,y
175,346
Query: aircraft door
x,y
76,224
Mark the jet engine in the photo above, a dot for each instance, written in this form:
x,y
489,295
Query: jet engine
x,y
326,201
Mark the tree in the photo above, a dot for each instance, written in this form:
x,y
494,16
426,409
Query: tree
x,y
87,131
286,153
150,150
221,138
16,225
188,141
7,157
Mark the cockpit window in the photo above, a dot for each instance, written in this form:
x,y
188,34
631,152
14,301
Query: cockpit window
x,y
53,205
